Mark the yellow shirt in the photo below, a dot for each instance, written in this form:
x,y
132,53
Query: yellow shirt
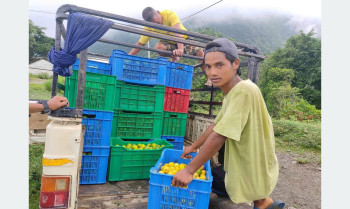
x,y
170,18
250,161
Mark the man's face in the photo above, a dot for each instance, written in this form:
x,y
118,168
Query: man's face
x,y
219,69
157,18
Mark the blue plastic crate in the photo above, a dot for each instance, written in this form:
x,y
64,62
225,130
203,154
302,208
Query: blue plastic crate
x,y
98,126
94,165
138,70
177,141
95,67
179,75
162,195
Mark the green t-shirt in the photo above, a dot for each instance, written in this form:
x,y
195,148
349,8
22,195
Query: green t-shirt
x,y
250,161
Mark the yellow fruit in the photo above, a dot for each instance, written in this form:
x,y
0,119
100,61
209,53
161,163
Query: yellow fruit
x,y
174,172
195,175
203,178
166,169
161,172
201,168
170,173
203,171
176,165
182,166
171,164
166,164
199,172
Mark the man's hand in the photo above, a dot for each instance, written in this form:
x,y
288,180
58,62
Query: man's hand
x,y
188,150
182,178
57,102
178,52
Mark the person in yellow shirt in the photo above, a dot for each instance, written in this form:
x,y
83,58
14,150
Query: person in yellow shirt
x,y
244,126
167,18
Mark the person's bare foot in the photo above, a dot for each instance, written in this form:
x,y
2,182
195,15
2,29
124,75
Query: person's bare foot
x,y
175,58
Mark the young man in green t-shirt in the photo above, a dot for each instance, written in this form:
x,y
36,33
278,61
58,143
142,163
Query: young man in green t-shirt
x,y
244,126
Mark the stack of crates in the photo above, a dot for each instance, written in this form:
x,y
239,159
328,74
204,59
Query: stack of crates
x,y
137,115
177,95
97,117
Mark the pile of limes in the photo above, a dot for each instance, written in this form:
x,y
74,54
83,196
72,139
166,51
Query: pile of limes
x,y
172,168
142,146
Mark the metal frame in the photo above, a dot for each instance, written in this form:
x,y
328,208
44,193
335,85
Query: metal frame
x,y
194,39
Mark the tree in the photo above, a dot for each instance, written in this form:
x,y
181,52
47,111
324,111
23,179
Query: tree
x,y
302,53
39,43
283,100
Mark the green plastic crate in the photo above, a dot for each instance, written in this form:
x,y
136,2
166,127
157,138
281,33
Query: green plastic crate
x,y
174,124
139,98
127,164
98,94
128,125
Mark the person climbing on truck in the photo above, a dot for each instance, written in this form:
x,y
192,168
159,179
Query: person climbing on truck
x,y
167,18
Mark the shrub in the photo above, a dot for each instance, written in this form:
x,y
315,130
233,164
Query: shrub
x,y
35,170
48,85
43,76
294,134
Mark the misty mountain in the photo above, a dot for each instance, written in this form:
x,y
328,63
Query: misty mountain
x,y
268,32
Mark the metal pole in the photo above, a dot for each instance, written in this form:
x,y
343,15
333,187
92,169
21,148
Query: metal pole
x,y
211,101
149,53
57,48
81,80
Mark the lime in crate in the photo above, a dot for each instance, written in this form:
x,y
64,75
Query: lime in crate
x,y
132,159
163,195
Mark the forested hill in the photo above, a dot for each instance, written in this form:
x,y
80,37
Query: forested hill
x,y
267,32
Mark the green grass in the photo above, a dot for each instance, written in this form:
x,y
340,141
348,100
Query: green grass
x,y
35,170
43,90
300,138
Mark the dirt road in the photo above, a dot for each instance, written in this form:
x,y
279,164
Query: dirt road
x,y
299,185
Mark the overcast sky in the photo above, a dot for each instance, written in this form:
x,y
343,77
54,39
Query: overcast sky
x,y
184,8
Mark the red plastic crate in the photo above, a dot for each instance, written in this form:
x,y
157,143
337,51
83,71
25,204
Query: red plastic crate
x,y
176,100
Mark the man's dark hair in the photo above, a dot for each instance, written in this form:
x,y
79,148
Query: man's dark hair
x,y
229,57
148,14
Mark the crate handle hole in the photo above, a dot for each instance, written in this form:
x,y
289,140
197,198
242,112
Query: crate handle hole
x,y
178,67
173,116
89,116
170,140
87,153
176,92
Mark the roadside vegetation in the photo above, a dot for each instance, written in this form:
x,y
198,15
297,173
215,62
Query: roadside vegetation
x,y
40,86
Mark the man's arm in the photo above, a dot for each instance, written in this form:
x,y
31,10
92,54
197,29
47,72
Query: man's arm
x,y
199,142
180,47
54,103
211,146
135,50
